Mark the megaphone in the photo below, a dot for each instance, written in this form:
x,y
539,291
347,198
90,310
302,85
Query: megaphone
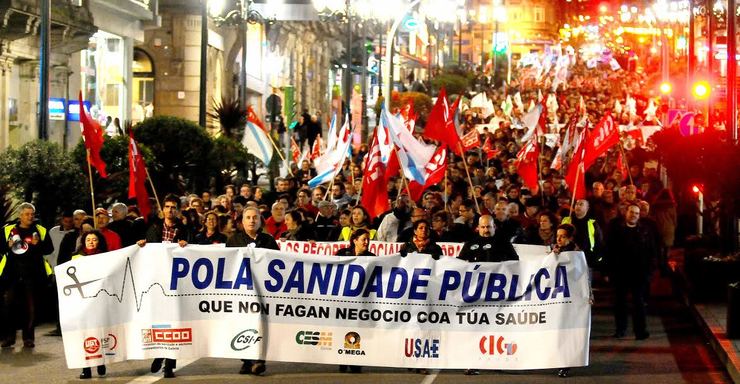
x,y
19,246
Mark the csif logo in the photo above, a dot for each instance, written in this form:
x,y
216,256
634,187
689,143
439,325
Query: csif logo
x,y
245,339
323,339
421,348
109,344
491,345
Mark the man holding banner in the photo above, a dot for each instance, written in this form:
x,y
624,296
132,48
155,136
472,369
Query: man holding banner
x,y
488,246
253,237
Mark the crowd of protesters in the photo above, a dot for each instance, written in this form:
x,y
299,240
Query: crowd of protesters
x,y
625,225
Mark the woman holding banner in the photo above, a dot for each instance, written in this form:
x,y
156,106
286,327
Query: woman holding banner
x,y
358,246
210,234
421,242
91,243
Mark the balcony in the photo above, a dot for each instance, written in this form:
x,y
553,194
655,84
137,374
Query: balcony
x,y
71,24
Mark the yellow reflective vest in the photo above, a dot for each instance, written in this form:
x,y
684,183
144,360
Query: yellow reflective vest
x,y
6,236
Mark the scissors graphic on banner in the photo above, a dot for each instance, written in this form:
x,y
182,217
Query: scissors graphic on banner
x,y
68,288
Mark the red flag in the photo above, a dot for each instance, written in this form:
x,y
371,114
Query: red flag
x,y
576,170
622,167
374,190
294,150
436,170
409,116
488,148
93,135
440,125
471,140
252,117
604,136
316,150
527,160
137,177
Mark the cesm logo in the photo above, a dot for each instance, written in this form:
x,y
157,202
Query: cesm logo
x,y
491,345
318,338
422,348
165,335
245,339
351,345
91,345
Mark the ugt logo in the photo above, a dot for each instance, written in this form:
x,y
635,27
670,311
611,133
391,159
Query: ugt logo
x,y
490,345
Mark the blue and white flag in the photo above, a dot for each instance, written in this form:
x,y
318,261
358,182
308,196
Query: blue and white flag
x,y
255,138
412,154
330,163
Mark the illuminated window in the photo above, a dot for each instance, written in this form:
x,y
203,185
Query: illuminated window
x,y
539,14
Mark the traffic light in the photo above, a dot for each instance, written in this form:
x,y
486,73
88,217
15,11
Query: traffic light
x,y
666,88
700,90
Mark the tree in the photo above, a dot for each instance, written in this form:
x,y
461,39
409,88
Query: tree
x,y
231,115
707,159
421,101
181,152
231,161
41,173
454,80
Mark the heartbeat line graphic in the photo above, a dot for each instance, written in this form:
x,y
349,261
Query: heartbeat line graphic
x,y
138,297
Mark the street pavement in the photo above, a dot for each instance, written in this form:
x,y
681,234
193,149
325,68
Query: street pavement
x,y
675,353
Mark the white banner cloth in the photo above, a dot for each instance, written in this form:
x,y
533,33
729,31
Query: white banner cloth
x,y
201,301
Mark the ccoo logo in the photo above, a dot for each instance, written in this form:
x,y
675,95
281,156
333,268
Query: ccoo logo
x,y
490,345
245,339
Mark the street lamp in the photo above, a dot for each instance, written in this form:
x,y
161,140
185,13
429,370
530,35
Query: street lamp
x,y
334,10
499,15
240,15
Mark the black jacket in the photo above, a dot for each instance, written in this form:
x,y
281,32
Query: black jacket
x,y
263,240
154,232
488,249
630,251
431,248
350,251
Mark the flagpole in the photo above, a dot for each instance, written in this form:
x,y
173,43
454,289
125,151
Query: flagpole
x,y
624,159
403,177
575,188
444,190
92,190
539,168
269,136
359,193
151,184
470,181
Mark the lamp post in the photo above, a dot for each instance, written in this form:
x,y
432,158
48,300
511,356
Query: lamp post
x,y
44,56
203,62
240,16
499,15
332,11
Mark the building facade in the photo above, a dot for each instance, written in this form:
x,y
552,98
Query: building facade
x,y
92,45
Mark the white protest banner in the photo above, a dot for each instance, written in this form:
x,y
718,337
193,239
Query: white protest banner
x,y
200,301
379,248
